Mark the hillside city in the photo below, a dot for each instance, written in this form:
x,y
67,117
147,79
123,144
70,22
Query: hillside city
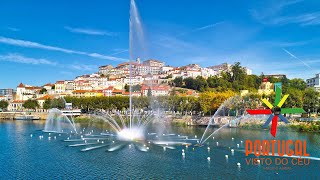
x,y
150,77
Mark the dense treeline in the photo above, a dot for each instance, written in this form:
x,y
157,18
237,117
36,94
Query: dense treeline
x,y
205,103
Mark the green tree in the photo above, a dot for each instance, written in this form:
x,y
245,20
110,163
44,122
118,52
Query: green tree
x,y
47,104
127,87
201,84
4,104
43,91
238,72
178,82
310,100
298,84
30,104
58,103
189,83
295,98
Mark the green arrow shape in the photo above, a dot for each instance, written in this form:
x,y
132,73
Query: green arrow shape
x,y
292,110
278,95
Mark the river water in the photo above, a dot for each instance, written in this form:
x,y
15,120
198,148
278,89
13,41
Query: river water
x,y
26,157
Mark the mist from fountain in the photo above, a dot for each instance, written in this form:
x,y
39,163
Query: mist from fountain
x,y
58,122
222,117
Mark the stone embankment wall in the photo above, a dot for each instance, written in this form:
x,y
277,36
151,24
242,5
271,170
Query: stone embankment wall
x,y
13,115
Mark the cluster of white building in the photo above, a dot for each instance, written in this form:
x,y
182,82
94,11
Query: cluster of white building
x,y
159,70
150,77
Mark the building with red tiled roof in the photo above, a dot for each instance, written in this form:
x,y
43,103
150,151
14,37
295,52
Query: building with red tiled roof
x,y
16,105
117,92
21,85
3,98
156,90
45,97
48,84
25,92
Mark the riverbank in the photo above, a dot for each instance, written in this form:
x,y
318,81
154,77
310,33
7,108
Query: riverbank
x,y
14,115
187,120
295,125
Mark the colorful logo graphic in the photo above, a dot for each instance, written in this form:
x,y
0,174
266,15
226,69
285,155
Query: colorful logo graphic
x,y
275,110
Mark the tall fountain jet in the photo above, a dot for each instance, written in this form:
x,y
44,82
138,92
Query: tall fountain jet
x,y
137,46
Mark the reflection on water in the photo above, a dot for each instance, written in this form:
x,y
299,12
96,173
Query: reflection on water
x,y
25,157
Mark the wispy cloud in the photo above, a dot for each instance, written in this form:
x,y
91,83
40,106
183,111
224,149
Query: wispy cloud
x,y
307,19
283,43
119,51
30,44
25,60
272,14
270,8
90,31
174,44
13,29
18,58
84,67
175,41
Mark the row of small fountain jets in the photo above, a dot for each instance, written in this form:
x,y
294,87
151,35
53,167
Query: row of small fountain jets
x,y
110,140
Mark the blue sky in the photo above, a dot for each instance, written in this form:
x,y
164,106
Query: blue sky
x,y
45,41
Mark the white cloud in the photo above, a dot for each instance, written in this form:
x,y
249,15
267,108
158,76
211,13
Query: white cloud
x,y
307,19
283,43
25,60
272,14
270,8
119,51
18,58
29,44
13,29
84,67
90,31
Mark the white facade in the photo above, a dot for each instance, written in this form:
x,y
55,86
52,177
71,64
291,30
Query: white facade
x,y
105,69
248,71
207,72
166,69
20,92
314,82
144,69
15,105
152,62
60,87
135,80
